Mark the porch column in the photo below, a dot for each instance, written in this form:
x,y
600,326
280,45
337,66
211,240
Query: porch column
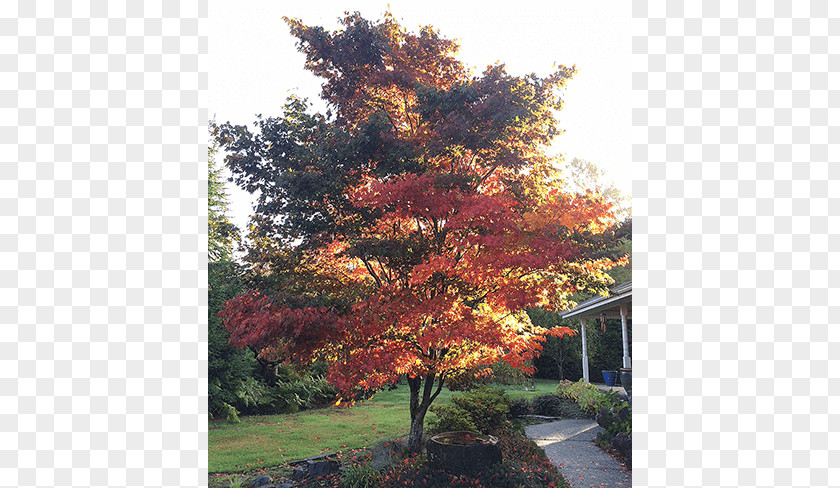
x,y
623,309
583,349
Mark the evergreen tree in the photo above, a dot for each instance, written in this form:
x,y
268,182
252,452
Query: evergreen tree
x,y
229,368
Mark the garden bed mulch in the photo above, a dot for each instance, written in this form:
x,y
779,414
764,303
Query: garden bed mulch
x,y
284,472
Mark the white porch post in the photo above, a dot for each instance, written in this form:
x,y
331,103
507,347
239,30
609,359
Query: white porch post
x,y
583,349
623,309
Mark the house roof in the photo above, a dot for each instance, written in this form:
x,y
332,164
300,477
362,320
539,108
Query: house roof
x,y
610,305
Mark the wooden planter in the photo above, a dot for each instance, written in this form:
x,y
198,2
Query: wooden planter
x,y
463,452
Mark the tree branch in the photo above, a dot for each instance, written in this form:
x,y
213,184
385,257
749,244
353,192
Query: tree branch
x,y
385,273
487,175
441,378
372,272
427,389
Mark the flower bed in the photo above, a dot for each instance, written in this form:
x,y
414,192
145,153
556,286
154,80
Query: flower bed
x,y
523,464
617,435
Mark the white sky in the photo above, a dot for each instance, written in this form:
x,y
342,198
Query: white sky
x,y
255,66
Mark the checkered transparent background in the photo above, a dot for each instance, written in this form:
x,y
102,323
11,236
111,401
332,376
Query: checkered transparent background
x,y
735,127
102,243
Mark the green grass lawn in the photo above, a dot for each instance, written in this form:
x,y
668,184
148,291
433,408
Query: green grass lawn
x,y
270,440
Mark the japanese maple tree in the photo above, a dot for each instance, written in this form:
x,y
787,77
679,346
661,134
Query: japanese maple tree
x,y
405,231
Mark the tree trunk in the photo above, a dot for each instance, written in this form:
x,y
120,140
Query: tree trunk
x,y
414,399
415,435
418,408
562,357
559,368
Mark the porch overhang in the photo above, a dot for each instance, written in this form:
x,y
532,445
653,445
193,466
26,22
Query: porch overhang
x,y
617,305
593,309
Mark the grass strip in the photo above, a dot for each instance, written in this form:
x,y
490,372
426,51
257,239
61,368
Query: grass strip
x,y
262,441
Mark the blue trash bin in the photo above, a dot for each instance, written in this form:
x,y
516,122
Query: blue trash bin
x,y
610,377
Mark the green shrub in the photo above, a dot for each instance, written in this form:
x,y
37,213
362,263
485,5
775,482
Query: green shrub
x,y
236,483
290,392
227,365
488,407
449,418
253,393
387,453
483,410
361,475
281,390
323,393
229,412
505,374
548,405
616,419
590,399
519,407
552,405
302,393
319,368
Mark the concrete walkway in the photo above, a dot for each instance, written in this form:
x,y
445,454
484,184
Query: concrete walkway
x,y
568,444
